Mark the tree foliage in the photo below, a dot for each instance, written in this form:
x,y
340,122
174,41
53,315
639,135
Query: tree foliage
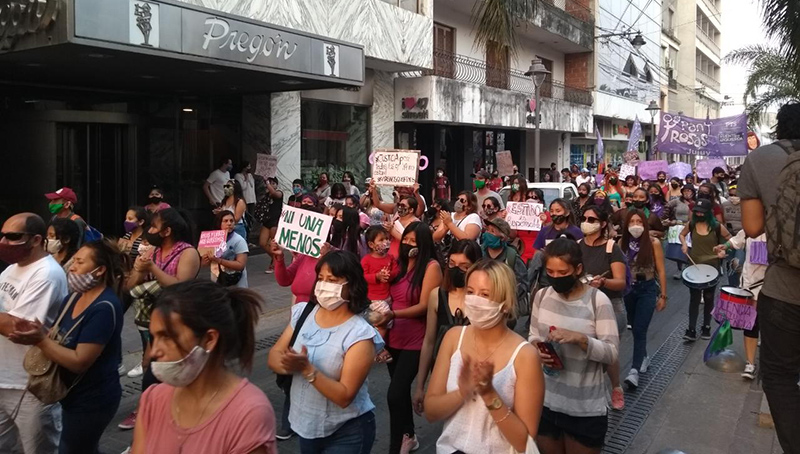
x,y
496,21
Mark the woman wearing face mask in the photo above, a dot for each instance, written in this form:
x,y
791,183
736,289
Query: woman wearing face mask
x,y
648,293
580,319
640,200
691,180
631,184
63,236
491,209
676,215
198,327
136,221
599,201
657,202
349,183
584,190
561,214
323,189
613,189
420,272
487,383
352,201
91,322
445,310
155,200
404,217
233,201
661,182
709,192
346,232
519,189
338,194
464,223
335,347
297,193
268,212
674,190
604,262
527,238
229,269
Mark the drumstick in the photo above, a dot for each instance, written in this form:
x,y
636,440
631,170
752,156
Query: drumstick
x,y
690,259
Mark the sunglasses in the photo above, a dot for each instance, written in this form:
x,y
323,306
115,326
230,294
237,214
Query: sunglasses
x,y
488,207
462,200
227,186
14,236
590,219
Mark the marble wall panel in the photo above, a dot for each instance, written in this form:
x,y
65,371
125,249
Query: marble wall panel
x,y
383,110
285,134
256,133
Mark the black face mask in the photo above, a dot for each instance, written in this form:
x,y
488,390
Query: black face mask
x,y
639,204
583,195
703,195
661,180
338,226
154,200
612,181
674,185
457,277
407,250
154,239
558,218
563,284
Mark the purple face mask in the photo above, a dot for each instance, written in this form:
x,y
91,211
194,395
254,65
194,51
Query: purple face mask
x,y
130,226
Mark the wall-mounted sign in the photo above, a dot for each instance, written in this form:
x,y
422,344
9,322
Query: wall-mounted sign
x,y
621,130
331,63
530,111
18,18
144,23
414,108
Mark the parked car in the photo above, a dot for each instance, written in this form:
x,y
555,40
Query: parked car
x,y
551,191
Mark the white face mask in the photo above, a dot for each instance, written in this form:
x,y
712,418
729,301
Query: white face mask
x,y
589,228
329,295
53,246
636,230
482,313
143,248
183,372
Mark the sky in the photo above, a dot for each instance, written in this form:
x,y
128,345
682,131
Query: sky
x,y
741,26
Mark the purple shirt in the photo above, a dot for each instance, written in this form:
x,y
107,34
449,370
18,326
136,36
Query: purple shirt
x,y
551,233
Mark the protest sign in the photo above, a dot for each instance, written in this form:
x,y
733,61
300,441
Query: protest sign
x,y
214,241
302,231
741,316
524,215
266,165
705,167
395,167
679,169
648,170
625,170
505,163
599,179
703,137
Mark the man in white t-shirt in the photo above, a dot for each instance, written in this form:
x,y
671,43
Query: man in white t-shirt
x,y
31,288
213,186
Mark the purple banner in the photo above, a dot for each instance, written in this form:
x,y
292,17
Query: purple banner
x,y
741,316
703,137
679,169
648,170
705,167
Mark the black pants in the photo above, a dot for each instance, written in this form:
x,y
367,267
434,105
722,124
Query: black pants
x,y
402,371
780,367
81,431
694,305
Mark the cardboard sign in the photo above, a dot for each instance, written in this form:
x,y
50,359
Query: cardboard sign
x,y
302,231
679,169
648,170
395,167
266,165
505,163
625,170
524,215
705,167
215,241
740,315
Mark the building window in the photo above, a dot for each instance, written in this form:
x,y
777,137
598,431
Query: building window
x,y
646,75
335,139
444,45
630,68
409,5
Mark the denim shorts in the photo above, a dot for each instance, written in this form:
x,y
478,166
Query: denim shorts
x,y
589,431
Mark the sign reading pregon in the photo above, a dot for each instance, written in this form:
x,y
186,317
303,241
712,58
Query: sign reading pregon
x,y
218,29
703,137
19,18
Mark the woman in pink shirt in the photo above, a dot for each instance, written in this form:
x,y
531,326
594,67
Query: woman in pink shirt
x,y
201,406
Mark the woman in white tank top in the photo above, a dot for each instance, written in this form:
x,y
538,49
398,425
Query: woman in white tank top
x,y
474,382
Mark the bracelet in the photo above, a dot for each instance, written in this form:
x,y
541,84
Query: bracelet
x,y
508,413
312,377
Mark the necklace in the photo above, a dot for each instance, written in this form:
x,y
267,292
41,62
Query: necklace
x,y
475,341
178,415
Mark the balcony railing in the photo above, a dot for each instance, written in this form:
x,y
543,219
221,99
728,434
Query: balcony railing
x,y
574,8
466,69
708,41
707,80
712,5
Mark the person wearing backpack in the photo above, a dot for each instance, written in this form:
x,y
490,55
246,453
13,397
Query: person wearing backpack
x,y
494,242
769,187
645,259
605,268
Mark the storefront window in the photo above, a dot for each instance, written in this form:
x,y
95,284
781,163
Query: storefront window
x,y
335,139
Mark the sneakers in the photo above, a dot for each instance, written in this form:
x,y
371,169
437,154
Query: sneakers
x,y
409,444
137,371
129,422
690,335
127,450
284,434
645,365
705,333
629,327
632,380
749,371
270,269
618,398
121,369
677,276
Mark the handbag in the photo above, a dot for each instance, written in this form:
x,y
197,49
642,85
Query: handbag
x,y
229,278
284,381
144,300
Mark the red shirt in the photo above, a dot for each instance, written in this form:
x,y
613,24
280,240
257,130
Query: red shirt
x,y
495,184
372,266
441,184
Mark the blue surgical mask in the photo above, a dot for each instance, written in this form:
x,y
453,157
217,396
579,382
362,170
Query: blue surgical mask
x,y
297,191
491,241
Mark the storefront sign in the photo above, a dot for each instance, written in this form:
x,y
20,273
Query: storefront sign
x,y
703,137
214,242
414,108
19,18
395,167
621,130
266,165
505,163
524,215
303,231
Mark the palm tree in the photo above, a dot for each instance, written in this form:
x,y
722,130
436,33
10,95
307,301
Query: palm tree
x,y
495,23
782,23
773,79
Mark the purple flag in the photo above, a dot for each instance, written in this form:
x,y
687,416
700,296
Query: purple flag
x,y
635,137
703,137
600,147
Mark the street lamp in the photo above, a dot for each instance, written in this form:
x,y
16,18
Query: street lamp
x,y
637,41
653,108
537,72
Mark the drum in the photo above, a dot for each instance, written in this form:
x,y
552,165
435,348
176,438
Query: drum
x,y
736,295
736,305
700,277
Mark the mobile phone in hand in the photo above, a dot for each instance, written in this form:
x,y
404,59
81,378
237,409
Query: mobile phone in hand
x,y
548,349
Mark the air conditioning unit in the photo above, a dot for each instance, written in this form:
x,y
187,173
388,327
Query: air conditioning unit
x,y
669,63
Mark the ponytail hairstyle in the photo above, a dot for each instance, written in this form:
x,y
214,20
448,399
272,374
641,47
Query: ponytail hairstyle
x,y
179,222
203,305
106,253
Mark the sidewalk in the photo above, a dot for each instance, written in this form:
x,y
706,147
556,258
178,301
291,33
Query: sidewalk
x,y
707,412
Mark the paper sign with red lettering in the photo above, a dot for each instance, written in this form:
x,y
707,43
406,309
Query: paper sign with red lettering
x,y
395,167
215,241
505,163
524,215
266,165
303,231
705,167
648,170
625,170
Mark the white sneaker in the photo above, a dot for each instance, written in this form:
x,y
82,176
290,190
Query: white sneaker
x,y
121,369
645,365
749,371
137,371
632,380
127,451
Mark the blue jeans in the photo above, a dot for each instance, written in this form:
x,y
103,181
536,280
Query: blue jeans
x,y
239,228
640,304
81,431
354,437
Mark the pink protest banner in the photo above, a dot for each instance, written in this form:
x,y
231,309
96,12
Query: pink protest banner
x,y
706,166
741,316
214,241
648,170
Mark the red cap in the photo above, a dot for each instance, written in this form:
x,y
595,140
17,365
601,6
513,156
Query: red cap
x,y
63,193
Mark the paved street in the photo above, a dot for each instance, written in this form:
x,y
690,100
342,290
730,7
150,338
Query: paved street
x,y
679,419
